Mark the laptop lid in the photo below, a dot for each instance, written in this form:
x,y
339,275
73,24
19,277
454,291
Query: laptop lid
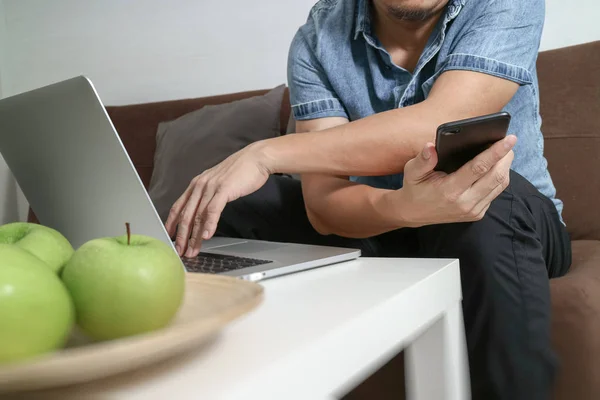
x,y
70,163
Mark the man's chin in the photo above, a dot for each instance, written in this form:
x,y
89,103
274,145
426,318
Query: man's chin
x,y
412,13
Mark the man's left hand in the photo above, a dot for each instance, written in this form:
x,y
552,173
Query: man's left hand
x,y
196,213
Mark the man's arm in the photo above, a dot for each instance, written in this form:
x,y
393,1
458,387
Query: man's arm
x,y
381,144
336,205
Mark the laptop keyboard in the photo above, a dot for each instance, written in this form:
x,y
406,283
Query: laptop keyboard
x,y
217,263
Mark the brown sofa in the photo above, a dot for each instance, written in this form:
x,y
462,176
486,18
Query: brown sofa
x,y
570,98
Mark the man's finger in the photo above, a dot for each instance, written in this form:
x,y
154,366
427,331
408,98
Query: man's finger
x,y
195,241
481,208
213,213
485,190
472,171
175,211
187,219
498,175
422,165
209,220
482,213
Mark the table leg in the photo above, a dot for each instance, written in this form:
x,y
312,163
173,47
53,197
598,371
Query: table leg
x,y
437,363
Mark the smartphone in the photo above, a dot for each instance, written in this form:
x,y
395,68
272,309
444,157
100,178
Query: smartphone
x,y
459,142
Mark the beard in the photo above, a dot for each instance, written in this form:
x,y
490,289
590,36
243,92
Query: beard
x,y
408,13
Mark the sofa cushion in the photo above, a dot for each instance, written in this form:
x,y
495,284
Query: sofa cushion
x,y
137,123
569,80
197,141
576,324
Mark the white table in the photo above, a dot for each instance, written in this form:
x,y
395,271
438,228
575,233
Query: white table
x,y
317,335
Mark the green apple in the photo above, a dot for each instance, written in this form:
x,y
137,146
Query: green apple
x,y
124,286
45,243
36,312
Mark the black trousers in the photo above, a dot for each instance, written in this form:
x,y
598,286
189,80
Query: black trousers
x,y
506,260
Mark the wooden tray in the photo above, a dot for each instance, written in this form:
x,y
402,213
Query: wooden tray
x,y
211,301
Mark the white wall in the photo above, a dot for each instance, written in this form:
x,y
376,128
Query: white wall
x,y
144,50
148,50
570,22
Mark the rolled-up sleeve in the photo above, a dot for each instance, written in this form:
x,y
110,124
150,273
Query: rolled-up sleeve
x,y
311,95
501,38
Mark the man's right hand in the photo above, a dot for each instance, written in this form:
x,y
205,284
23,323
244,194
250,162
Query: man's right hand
x,y
430,197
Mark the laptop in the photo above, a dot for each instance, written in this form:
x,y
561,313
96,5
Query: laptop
x,y
70,163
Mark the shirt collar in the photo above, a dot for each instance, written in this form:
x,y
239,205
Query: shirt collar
x,y
363,15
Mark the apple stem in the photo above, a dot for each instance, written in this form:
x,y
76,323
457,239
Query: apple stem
x,y
128,233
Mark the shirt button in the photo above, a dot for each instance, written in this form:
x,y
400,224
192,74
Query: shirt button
x,y
388,67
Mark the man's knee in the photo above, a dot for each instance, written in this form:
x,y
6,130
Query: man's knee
x,y
505,290
481,244
519,187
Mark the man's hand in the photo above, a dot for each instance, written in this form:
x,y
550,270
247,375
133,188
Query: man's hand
x,y
196,213
430,197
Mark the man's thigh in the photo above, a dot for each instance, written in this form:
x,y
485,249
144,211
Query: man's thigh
x,y
505,261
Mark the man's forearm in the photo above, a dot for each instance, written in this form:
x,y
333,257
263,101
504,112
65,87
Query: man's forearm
x,y
381,144
377,145
350,210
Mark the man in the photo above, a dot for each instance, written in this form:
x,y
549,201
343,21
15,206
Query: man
x,y
375,78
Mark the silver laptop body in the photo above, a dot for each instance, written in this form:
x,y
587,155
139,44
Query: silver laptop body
x,y
70,163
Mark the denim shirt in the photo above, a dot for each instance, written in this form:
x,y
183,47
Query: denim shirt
x,y
338,68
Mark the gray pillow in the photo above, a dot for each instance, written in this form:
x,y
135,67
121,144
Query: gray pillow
x,y
197,141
